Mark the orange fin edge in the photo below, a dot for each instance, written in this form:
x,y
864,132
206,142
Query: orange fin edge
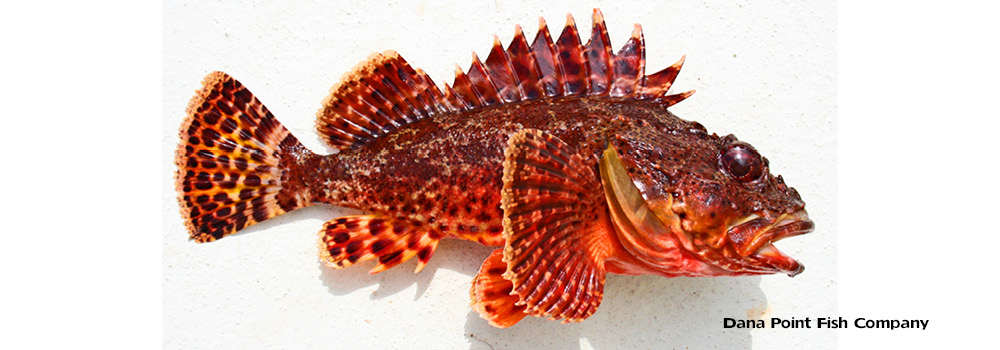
x,y
491,296
230,160
379,95
557,231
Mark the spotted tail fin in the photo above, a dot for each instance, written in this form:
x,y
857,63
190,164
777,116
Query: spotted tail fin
x,y
232,161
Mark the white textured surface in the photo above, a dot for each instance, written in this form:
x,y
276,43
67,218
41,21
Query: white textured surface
x,y
766,73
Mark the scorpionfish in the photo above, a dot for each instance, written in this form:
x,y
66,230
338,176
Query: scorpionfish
x,y
561,154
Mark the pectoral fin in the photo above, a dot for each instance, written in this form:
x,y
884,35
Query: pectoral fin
x,y
556,227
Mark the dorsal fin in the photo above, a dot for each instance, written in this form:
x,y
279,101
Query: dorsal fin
x,y
378,96
629,65
571,60
544,52
384,92
598,56
564,67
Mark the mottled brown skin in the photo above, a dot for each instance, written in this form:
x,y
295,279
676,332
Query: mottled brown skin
x,y
678,172
232,154
445,171
686,161
562,152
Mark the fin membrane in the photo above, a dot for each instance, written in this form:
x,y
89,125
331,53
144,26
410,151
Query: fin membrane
x,y
564,67
352,239
385,93
378,96
230,161
491,293
556,228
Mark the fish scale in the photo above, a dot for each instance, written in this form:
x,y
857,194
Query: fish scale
x,y
562,154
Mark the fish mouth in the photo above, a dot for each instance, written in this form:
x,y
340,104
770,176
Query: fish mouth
x,y
654,234
754,238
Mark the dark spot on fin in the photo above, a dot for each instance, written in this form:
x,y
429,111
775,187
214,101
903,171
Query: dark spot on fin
x,y
350,239
229,173
385,93
563,67
573,62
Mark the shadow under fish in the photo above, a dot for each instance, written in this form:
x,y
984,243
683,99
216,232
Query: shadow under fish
x,y
561,153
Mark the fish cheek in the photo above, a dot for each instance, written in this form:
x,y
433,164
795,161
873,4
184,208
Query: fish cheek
x,y
707,217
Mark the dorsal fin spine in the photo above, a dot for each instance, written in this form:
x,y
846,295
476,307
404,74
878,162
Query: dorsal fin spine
x,y
598,55
482,82
385,93
657,84
454,100
499,68
571,61
522,64
629,64
463,87
550,75
671,100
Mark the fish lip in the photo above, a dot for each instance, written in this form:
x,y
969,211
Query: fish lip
x,y
796,225
764,233
770,255
791,227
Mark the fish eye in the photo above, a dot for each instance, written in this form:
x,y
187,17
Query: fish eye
x,y
742,162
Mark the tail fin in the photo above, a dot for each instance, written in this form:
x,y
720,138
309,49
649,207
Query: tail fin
x,y
231,162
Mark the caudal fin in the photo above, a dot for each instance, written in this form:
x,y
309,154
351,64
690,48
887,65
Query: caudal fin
x,y
231,161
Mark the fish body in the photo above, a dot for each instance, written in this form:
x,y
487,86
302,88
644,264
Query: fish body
x,y
448,170
561,153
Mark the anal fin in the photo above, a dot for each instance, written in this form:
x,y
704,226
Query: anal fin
x,y
348,240
491,293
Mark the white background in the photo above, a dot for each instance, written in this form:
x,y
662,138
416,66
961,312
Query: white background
x,y
766,73
911,203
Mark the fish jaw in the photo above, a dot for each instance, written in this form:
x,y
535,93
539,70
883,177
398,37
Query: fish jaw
x,y
754,238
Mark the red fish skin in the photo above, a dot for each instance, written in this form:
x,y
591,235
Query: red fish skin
x,y
442,175
445,171
565,155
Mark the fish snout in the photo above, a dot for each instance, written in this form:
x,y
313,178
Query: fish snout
x,y
754,238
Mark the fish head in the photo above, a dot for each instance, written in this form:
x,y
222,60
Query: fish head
x,y
686,203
